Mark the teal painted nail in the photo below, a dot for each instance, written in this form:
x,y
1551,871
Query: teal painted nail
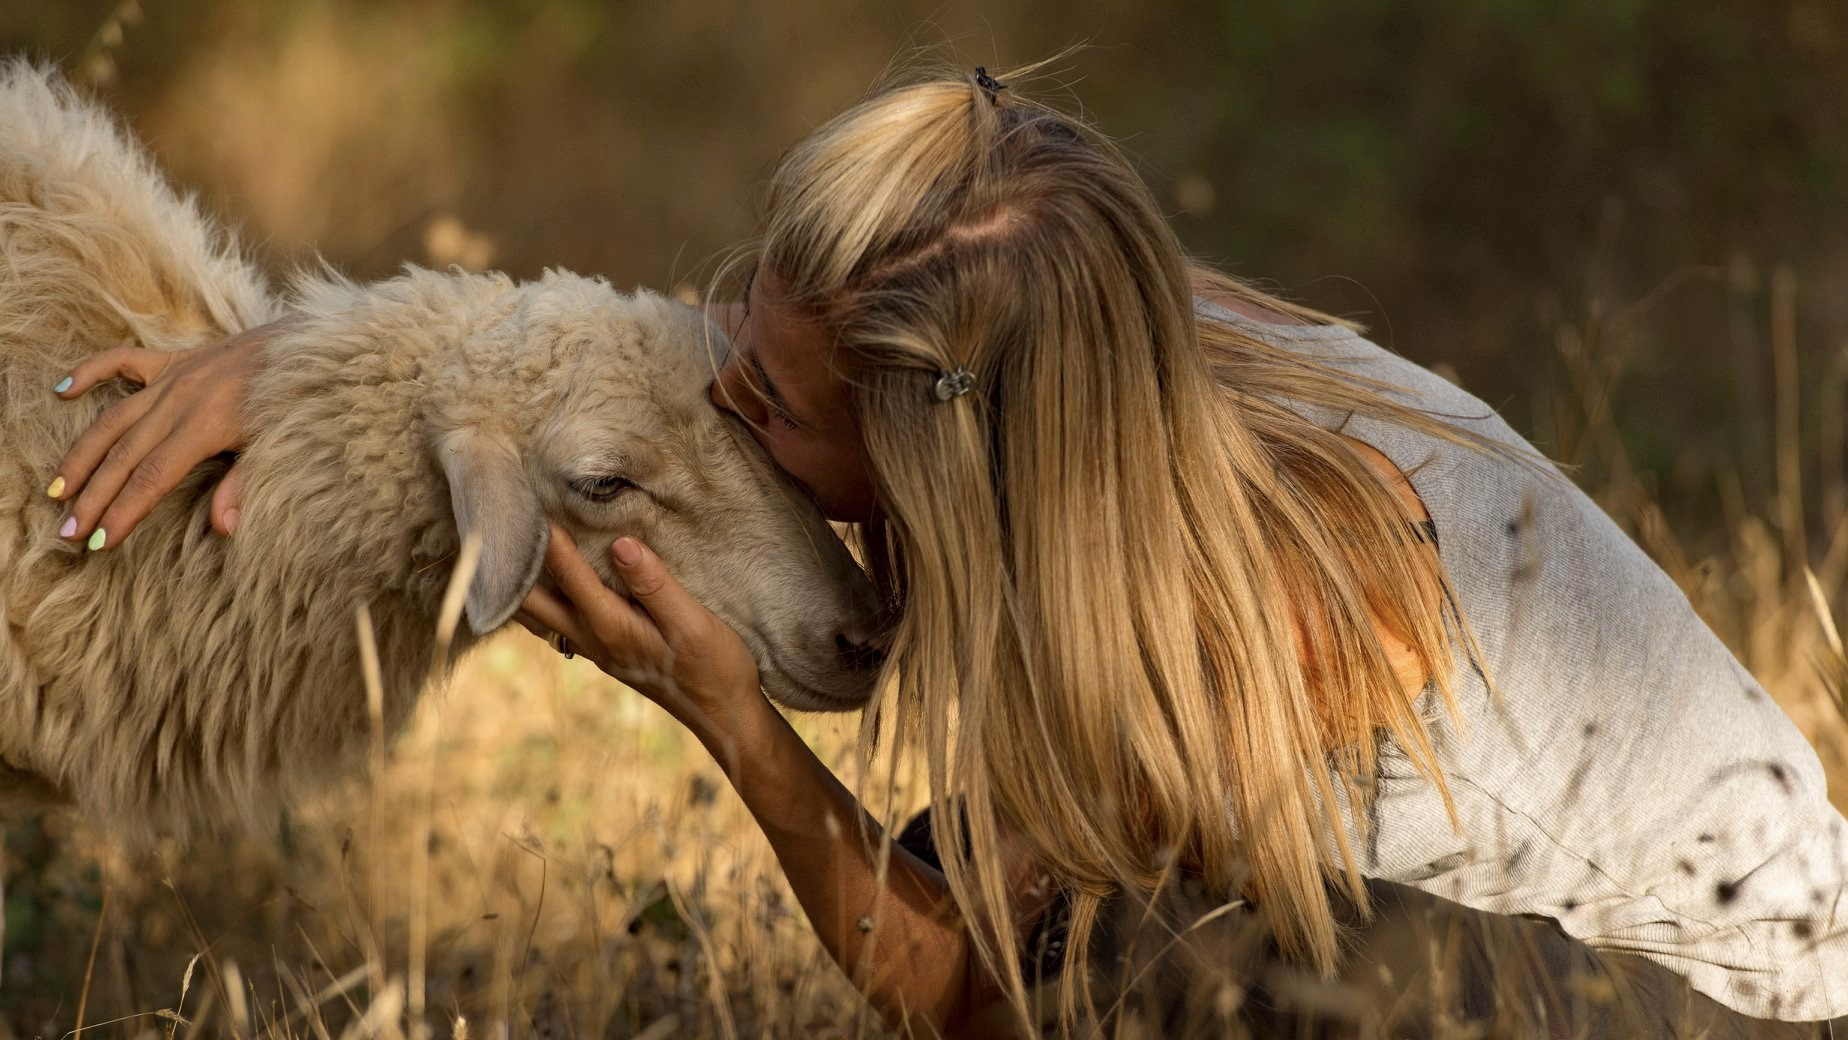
x,y
97,538
63,385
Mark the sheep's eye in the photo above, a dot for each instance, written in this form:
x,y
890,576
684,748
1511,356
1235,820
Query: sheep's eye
x,y
601,489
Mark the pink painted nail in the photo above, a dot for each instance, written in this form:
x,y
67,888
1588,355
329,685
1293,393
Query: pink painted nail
x,y
69,530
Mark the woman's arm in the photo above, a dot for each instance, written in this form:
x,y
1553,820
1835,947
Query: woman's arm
x,y
897,934
899,937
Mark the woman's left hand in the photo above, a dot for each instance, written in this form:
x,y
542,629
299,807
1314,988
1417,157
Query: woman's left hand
x,y
663,643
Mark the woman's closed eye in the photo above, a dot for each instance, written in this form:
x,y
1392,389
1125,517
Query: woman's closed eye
x,y
766,392
782,418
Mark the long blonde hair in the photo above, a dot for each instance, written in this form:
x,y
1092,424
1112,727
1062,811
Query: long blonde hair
x,y
1142,597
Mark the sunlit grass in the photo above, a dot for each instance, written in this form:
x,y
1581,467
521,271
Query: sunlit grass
x,y
588,871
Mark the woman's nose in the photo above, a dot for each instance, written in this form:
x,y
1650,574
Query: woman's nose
x,y
732,395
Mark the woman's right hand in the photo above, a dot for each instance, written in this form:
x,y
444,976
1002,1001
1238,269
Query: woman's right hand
x,y
190,408
658,639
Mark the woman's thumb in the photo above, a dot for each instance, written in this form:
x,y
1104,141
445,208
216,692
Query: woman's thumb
x,y
641,569
650,584
228,500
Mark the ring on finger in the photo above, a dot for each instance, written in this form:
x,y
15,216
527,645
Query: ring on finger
x,y
562,645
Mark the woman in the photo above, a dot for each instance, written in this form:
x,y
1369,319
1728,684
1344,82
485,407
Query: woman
x,y
1201,597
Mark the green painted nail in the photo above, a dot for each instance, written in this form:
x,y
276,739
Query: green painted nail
x,y
63,385
97,538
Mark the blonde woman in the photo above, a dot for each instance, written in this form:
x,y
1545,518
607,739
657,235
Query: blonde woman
x,y
1214,621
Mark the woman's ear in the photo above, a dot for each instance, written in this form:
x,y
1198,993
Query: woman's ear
x,y
491,497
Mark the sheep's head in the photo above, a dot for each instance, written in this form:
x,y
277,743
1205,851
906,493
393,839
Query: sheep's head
x,y
614,434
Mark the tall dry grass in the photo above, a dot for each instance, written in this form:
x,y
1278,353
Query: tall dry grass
x,y
550,852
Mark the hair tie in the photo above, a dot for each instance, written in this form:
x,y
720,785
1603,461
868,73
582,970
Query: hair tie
x,y
990,85
954,383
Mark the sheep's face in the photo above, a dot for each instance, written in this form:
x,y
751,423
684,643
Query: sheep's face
x,y
626,442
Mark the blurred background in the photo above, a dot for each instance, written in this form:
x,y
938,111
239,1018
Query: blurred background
x,y
1623,222
1465,176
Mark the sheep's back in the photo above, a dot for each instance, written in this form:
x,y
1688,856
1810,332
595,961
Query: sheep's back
x,y
94,248
178,676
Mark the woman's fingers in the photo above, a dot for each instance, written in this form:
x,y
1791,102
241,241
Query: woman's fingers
x,y
158,446
124,362
677,613
711,672
544,614
665,643
666,602
99,464
111,454
600,625
530,623
607,626
569,568
135,474
142,447
95,443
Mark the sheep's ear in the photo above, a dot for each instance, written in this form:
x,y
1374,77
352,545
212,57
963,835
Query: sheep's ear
x,y
492,498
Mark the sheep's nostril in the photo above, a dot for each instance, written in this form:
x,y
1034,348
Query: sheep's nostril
x,y
859,649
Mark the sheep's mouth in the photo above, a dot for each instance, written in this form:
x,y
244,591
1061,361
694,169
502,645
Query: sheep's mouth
x,y
800,696
796,679
800,689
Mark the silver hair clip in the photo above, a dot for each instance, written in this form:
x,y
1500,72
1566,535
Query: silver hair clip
x,y
954,383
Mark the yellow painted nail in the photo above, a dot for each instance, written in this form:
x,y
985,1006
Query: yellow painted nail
x,y
97,538
56,488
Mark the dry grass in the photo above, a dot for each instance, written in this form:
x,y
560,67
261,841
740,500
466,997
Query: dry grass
x,y
585,873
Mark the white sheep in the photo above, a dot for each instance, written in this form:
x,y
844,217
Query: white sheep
x,y
185,676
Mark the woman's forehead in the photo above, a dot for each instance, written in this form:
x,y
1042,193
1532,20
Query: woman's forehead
x,y
790,351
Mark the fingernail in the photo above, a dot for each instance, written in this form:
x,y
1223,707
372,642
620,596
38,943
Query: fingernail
x,y
97,538
63,385
56,488
628,551
231,516
69,530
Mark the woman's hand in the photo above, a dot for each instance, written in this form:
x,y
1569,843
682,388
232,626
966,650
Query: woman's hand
x,y
664,643
191,407
916,964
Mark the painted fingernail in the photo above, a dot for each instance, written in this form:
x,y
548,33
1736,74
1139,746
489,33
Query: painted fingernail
x,y
628,552
69,530
63,385
231,517
56,488
97,538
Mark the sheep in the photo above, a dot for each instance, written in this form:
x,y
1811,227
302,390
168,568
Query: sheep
x,y
182,676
